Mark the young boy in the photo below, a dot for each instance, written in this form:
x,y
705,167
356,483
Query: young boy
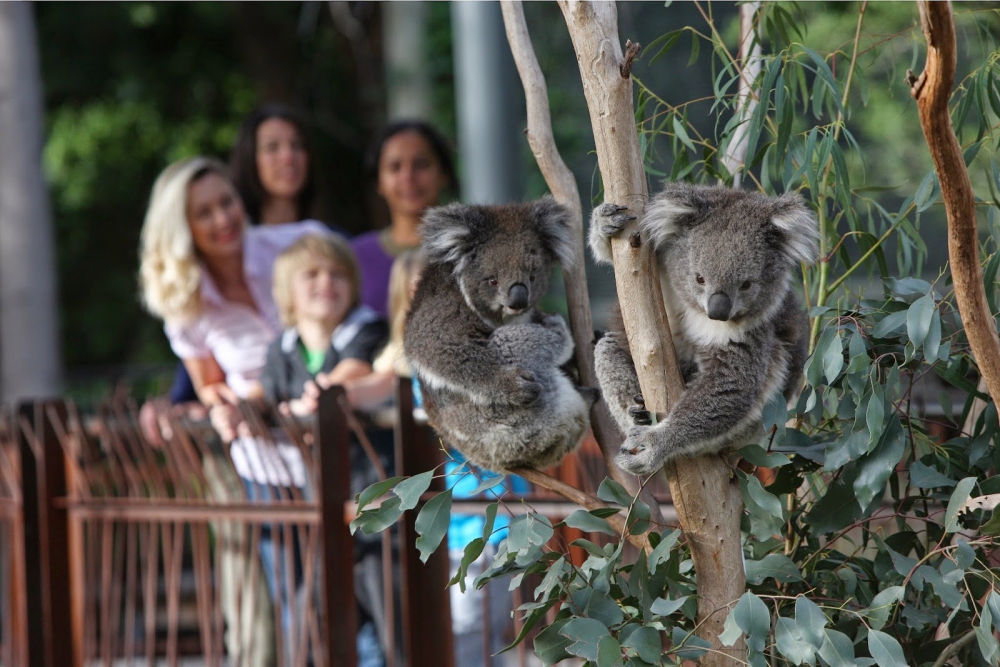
x,y
330,338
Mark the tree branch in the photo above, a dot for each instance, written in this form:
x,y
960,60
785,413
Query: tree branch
x,y
708,501
932,91
563,186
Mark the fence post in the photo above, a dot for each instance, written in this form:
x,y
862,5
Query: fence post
x,y
339,606
46,537
426,604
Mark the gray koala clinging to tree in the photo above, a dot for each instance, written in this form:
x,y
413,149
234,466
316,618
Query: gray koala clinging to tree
x,y
726,259
487,360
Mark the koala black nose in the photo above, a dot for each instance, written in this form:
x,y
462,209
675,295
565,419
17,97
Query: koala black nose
x,y
719,306
517,297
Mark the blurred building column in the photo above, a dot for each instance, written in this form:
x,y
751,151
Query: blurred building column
x,y
490,105
29,332
404,54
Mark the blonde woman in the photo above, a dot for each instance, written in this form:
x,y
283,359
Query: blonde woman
x,y
207,275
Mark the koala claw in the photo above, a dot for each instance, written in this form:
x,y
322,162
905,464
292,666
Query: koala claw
x,y
612,218
526,388
638,455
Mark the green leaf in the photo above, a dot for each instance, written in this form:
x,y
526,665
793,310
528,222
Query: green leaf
x,y
662,550
754,620
918,319
881,606
432,524
473,550
374,491
611,491
528,530
925,477
790,644
645,641
810,621
958,499
849,448
491,515
756,455
874,417
837,649
886,650
584,633
833,357
765,509
876,468
932,344
550,644
686,646
992,527
779,567
598,605
552,577
377,520
488,483
775,414
682,134
609,652
889,324
730,630
837,508
410,490
588,523
665,607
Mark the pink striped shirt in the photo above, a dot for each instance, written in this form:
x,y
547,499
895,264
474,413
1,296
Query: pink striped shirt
x,y
235,335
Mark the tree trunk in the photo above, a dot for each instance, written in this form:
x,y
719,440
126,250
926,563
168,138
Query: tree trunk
x,y
704,491
932,92
29,332
746,99
563,186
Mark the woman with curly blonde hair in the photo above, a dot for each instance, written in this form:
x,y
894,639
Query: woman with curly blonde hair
x,y
207,274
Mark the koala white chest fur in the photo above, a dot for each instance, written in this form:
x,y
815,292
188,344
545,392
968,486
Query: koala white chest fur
x,y
487,360
726,258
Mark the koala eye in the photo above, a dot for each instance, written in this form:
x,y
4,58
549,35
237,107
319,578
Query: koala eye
x,y
531,278
493,282
746,285
699,279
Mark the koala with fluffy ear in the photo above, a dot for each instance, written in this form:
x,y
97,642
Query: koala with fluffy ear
x,y
726,259
487,360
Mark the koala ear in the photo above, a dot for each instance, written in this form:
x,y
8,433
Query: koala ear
x,y
666,212
797,222
553,223
447,233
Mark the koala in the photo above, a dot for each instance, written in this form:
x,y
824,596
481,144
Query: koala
x,y
487,360
726,260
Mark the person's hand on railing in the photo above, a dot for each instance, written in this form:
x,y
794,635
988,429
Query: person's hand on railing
x,y
305,405
228,421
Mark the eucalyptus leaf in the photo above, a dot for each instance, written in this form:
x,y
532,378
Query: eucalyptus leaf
x,y
957,501
779,567
918,319
885,649
790,644
432,524
837,649
880,608
687,645
584,635
753,618
810,621
374,491
925,477
645,641
373,521
588,523
410,489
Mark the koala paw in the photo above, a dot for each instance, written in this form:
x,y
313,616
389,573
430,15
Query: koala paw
x,y
639,454
611,219
638,412
525,388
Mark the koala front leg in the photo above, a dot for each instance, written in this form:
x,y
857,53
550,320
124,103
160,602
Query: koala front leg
x,y
618,380
607,222
719,409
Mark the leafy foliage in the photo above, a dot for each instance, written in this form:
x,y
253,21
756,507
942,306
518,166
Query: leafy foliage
x,y
864,534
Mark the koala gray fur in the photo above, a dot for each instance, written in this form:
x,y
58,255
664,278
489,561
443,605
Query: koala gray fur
x,y
726,259
486,358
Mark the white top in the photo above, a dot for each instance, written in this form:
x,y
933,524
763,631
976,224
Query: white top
x,y
234,334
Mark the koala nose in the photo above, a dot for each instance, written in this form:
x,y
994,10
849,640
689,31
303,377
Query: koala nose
x,y
517,297
719,306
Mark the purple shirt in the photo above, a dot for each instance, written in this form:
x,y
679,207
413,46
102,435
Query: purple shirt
x,y
374,263
235,335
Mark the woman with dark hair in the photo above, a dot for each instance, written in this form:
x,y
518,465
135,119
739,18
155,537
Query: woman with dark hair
x,y
413,166
272,166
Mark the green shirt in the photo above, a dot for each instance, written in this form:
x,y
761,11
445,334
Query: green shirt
x,y
314,358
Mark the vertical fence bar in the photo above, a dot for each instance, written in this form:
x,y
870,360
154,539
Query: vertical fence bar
x,y
46,552
333,491
426,605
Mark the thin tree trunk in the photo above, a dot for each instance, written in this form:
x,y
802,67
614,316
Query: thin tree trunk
x,y
29,332
563,186
932,91
704,491
746,100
